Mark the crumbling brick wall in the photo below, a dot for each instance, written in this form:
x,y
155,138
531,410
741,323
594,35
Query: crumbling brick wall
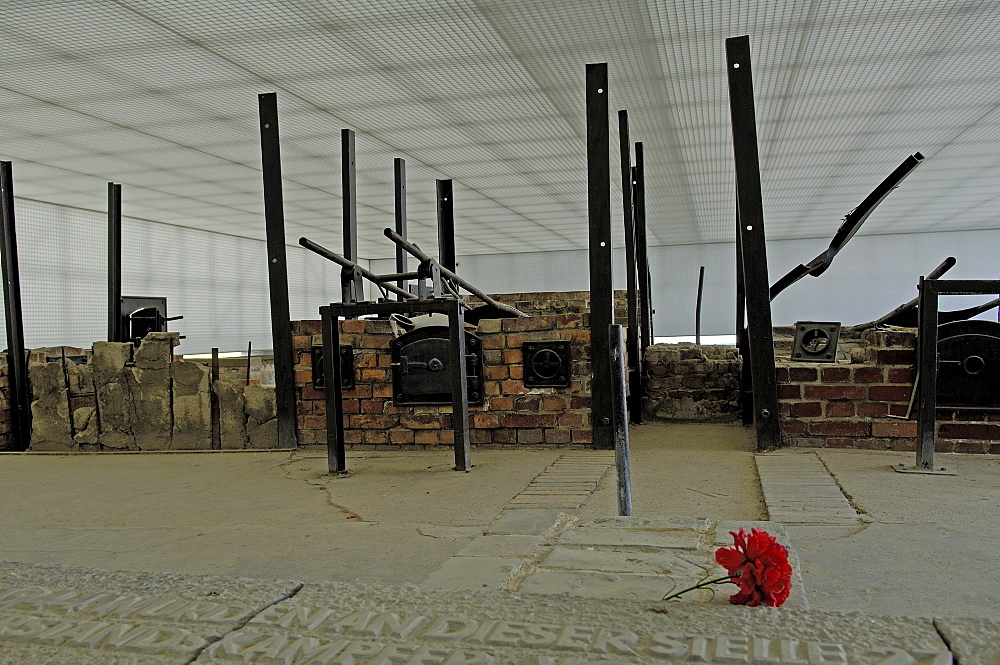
x,y
511,413
692,383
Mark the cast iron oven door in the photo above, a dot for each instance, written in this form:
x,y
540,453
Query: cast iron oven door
x,y
421,367
969,360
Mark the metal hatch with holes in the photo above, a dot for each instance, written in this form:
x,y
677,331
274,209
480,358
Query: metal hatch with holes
x,y
421,367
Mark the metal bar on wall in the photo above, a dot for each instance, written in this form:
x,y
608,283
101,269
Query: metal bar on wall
x,y
115,332
599,217
642,253
751,231
446,225
336,455
399,178
18,393
353,291
697,307
277,270
214,397
459,386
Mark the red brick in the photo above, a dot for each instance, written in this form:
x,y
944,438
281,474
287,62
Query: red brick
x,y
789,391
516,372
894,357
504,436
994,449
784,409
307,327
359,391
793,427
487,420
964,431
497,372
372,422
374,436
373,406
840,443
835,374
303,376
581,436
806,409
840,409
889,393
902,429
401,436
530,436
977,447
529,403
422,421
554,403
579,402
480,436
426,437
839,428
571,420
512,388
313,422
900,375
501,403
869,374
301,342
903,445
512,356
374,376
802,373
529,420
873,409
556,435
381,390
303,407
834,392
352,436
781,374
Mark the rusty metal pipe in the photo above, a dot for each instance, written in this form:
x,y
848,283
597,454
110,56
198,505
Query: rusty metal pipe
x,y
347,263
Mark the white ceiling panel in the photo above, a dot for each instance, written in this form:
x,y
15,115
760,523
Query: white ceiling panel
x,y
161,95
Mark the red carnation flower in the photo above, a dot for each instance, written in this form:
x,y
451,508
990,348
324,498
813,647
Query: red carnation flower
x,y
758,564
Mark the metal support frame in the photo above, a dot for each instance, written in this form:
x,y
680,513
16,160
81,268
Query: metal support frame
x,y
633,351
115,332
353,290
214,397
622,462
602,302
330,314
399,179
446,224
277,271
927,357
752,243
18,392
697,307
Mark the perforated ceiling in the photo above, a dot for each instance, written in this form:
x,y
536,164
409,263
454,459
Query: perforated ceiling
x,y
161,95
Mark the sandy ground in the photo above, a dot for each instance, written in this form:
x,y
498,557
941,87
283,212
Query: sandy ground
x,y
929,547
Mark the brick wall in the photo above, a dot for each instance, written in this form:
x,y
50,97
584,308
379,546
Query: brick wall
x,y
559,302
690,382
511,413
848,405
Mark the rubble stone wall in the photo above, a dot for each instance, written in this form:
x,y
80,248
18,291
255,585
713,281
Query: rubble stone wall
x,y
692,383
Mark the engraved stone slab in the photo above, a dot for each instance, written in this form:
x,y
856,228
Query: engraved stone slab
x,y
974,641
56,614
526,521
631,538
340,624
501,546
672,563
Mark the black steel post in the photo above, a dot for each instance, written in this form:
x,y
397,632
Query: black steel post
x,y
633,351
336,455
602,302
746,381
249,352
446,225
353,291
751,229
622,462
697,307
459,386
115,332
216,416
641,251
399,177
18,391
928,368
277,271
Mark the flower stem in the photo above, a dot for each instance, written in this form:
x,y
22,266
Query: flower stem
x,y
700,585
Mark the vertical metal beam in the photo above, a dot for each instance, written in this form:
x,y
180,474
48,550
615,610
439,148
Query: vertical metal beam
x,y
277,270
622,462
446,225
928,368
215,415
336,456
751,215
602,303
633,352
642,253
746,381
354,290
17,363
459,386
697,307
399,177
115,332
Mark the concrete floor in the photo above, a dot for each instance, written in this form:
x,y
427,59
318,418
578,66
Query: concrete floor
x,y
926,545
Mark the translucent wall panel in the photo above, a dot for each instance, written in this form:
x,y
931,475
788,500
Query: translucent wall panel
x,y
217,282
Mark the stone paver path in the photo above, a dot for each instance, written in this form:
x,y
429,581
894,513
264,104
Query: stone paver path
x,y
799,491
